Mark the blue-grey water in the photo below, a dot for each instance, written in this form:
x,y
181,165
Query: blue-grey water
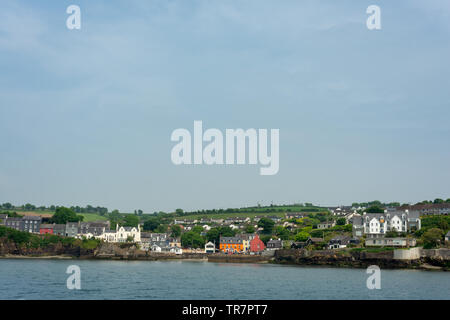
x,y
46,279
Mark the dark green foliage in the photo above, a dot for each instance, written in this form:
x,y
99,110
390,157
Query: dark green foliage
x,y
18,237
267,225
432,238
131,220
249,229
176,231
192,239
317,233
151,224
63,215
265,238
375,209
441,222
282,233
214,234
197,229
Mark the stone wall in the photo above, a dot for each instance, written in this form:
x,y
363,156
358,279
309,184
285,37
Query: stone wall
x,y
407,254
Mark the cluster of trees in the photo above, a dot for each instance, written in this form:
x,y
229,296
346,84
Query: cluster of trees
x,y
433,230
435,201
307,207
375,203
63,215
33,241
158,225
77,209
27,207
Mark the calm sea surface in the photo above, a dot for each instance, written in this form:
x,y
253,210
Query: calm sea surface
x,y
46,279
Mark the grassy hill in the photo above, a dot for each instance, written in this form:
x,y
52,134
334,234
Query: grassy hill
x,y
278,211
88,217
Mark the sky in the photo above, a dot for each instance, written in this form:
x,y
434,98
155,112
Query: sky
x,y
86,115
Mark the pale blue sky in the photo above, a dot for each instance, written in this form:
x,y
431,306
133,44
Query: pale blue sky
x,y
86,115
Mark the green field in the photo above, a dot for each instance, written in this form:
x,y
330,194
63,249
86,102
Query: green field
x,y
88,217
252,212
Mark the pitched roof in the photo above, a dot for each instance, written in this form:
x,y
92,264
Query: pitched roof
x,y
37,218
357,220
230,240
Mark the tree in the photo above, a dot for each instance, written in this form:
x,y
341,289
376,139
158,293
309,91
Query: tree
x,y
249,229
214,234
265,238
29,206
317,233
63,215
192,239
340,221
197,229
282,233
7,206
375,209
131,220
267,225
179,211
162,228
176,231
432,238
302,236
438,201
391,234
151,224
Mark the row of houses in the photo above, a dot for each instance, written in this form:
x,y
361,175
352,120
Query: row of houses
x,y
97,229
429,208
378,224
30,224
241,243
160,242
248,243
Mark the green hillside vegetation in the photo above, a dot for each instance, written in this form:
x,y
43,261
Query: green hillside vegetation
x,y
89,217
34,241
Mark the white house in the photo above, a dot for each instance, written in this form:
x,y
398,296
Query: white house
x,y
176,250
210,247
121,234
400,221
155,248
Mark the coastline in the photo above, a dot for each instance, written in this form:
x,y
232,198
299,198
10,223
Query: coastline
x,y
385,258
220,258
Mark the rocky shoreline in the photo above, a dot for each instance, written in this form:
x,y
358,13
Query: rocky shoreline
x,y
415,258
438,259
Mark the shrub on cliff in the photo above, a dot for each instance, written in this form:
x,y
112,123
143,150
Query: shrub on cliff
x,y
432,238
18,237
89,243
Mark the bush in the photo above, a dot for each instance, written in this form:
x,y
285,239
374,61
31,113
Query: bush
x,y
18,237
302,236
432,238
89,243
